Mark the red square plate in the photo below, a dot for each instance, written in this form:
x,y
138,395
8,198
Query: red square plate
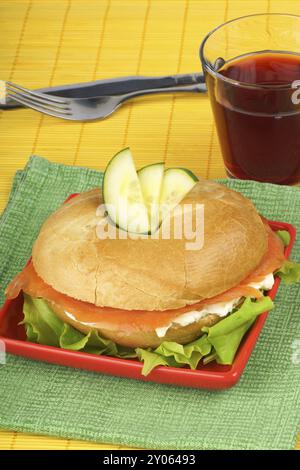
x,y
211,376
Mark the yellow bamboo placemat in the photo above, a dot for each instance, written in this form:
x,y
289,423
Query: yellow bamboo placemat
x,y
48,42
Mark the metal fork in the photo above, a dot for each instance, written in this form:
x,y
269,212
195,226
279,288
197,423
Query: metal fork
x,y
83,109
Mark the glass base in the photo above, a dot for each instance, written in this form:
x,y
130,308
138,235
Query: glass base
x,y
230,175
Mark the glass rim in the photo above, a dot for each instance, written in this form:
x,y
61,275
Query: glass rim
x,y
207,66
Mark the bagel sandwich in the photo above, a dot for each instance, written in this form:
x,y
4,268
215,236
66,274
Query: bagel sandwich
x,y
149,298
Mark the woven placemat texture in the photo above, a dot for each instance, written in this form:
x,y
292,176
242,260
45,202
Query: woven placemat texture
x,y
262,411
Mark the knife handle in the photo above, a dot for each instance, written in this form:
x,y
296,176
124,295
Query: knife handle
x,y
116,86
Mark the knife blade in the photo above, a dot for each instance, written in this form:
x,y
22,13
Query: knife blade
x,y
115,86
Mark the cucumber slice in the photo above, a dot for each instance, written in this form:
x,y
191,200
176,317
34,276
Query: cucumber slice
x,y
177,183
123,195
151,178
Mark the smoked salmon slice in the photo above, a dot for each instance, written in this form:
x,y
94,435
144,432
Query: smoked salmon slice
x,y
29,282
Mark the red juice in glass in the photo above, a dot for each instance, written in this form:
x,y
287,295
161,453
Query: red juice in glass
x,y
256,105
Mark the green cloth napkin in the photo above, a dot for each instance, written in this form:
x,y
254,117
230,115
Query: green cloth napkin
x,y
261,412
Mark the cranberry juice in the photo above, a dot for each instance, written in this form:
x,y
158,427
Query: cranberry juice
x,y
257,118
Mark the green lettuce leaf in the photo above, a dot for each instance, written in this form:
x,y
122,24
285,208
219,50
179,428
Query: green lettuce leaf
x,y
285,236
218,342
188,354
226,335
44,327
289,272
41,324
152,360
174,354
31,335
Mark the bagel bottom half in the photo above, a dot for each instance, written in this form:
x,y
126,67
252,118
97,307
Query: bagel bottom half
x,y
144,337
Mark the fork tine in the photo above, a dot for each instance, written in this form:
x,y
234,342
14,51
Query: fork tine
x,y
53,99
16,94
38,103
44,109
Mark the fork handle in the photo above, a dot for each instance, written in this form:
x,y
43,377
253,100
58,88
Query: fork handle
x,y
199,88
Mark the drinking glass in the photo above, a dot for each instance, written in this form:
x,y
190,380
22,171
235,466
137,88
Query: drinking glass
x,y
252,71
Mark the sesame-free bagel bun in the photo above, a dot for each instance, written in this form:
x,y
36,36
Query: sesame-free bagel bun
x,y
150,274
